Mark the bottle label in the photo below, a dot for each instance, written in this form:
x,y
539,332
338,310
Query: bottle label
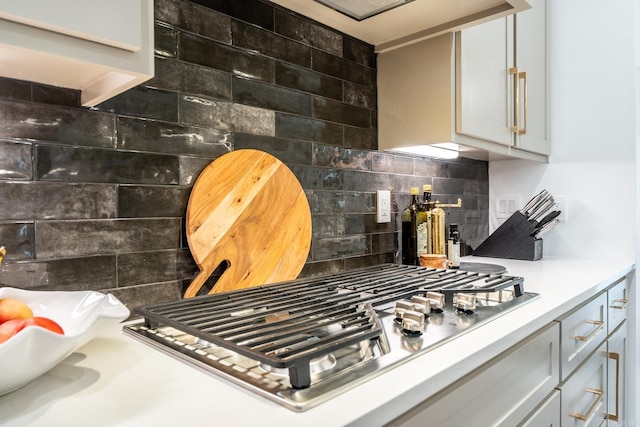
x,y
453,254
423,238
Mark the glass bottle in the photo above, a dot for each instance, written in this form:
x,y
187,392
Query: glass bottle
x,y
424,222
453,252
409,229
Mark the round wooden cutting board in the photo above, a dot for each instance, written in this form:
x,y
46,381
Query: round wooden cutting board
x,y
247,209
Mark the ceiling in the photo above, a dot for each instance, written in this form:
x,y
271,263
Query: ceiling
x,y
410,22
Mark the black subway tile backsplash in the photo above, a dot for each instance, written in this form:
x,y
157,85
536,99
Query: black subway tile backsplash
x,y
162,137
226,116
253,12
140,268
15,89
67,274
334,111
66,239
15,161
358,51
191,79
305,31
270,44
289,151
42,201
75,164
288,126
342,68
194,18
343,158
308,81
190,168
73,126
18,238
166,41
55,95
271,97
95,198
209,53
147,201
143,102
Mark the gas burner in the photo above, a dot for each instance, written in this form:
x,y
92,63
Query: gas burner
x,y
302,342
317,366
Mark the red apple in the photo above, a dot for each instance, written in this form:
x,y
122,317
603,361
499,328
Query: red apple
x,y
13,326
10,328
44,322
11,308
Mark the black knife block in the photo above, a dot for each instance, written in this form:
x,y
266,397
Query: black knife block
x,y
512,240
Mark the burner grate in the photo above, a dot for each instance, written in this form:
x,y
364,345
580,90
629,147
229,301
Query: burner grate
x,y
288,324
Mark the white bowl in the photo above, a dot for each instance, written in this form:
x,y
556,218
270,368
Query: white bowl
x,y
34,350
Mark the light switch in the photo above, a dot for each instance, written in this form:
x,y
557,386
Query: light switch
x,y
506,205
383,206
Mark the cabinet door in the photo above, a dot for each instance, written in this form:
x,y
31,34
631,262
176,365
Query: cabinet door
x,y
484,106
616,377
531,80
583,400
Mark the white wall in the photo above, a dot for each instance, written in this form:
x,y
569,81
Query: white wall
x,y
592,130
594,105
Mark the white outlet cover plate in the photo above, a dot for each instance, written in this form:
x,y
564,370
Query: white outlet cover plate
x,y
383,206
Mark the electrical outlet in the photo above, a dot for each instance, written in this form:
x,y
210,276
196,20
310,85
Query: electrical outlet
x,y
561,205
506,205
383,206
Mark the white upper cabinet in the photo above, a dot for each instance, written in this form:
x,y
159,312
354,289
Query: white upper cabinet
x,y
99,47
483,88
411,21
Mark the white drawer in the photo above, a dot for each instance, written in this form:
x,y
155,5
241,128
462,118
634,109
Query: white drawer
x,y
618,298
582,397
547,415
581,332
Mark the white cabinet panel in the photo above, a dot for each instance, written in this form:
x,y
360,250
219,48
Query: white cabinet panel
x,y
500,393
101,53
548,415
118,24
484,106
583,400
581,331
618,299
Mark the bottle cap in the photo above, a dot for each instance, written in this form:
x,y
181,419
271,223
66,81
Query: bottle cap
x,y
426,188
414,191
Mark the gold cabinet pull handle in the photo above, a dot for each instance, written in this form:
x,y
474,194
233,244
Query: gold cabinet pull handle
x,y
523,75
623,304
594,405
513,71
599,325
616,357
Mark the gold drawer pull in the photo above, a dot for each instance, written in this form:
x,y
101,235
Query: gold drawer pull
x,y
599,325
623,304
598,394
616,357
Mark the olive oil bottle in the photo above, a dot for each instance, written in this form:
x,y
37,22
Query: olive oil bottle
x,y
409,229
424,223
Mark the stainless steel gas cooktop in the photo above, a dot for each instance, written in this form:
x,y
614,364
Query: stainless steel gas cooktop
x,y
302,342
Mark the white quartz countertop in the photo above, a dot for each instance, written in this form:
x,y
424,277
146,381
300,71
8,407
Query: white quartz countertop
x,y
115,380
